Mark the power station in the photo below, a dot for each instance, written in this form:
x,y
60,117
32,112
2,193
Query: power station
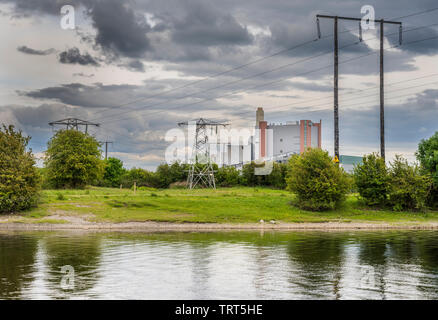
x,y
272,141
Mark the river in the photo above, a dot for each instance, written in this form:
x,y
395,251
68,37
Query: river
x,y
220,265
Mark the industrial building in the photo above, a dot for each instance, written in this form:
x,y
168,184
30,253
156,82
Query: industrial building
x,y
273,141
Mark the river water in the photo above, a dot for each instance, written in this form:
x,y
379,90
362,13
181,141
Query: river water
x,y
227,265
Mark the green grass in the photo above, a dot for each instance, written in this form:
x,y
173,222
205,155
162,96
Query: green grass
x,y
225,205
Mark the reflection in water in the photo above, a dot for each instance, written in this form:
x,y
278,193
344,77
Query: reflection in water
x,y
229,265
319,260
81,252
17,258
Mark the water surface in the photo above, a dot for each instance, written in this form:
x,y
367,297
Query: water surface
x,y
228,265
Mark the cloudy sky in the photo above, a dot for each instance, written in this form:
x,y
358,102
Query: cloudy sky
x,y
139,67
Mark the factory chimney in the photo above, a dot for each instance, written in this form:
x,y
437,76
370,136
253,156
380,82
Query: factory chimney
x,y
260,116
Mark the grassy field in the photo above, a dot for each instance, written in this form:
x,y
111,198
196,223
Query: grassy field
x,y
225,205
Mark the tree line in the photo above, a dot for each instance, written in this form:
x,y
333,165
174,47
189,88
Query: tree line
x,y
74,160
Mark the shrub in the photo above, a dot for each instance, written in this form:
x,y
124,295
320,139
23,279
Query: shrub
x,y
73,159
227,177
317,181
371,180
277,178
19,179
427,155
409,189
60,196
142,177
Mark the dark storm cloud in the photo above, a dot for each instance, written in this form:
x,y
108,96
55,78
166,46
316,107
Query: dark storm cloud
x,y
120,29
94,96
135,65
206,25
27,50
74,56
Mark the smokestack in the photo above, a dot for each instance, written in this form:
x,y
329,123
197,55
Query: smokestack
x,y
260,116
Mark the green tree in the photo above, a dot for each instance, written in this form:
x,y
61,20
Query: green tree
x,y
20,181
427,155
372,180
318,183
113,172
73,159
409,189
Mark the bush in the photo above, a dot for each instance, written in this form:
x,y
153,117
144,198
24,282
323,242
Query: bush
x,y
427,155
73,159
142,177
372,180
227,177
409,189
19,178
277,178
317,181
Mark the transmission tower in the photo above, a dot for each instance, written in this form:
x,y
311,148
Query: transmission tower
x,y
201,170
73,123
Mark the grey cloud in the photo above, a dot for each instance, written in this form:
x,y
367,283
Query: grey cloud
x,y
206,25
119,29
135,65
74,56
27,50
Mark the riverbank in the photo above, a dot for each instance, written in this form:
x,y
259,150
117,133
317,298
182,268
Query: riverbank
x,y
201,210
207,227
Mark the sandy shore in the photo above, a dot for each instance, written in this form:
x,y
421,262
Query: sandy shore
x,y
167,226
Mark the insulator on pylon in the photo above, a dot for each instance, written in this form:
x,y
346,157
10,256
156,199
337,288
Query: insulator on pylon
x,y
318,28
400,37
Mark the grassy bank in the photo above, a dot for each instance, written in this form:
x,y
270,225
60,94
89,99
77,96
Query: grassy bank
x,y
226,205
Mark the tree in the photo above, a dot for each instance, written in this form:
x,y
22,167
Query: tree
x,y
73,159
113,172
372,180
409,189
19,178
317,181
427,155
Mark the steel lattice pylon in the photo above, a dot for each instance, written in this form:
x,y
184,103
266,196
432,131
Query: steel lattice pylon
x,y
201,170
73,124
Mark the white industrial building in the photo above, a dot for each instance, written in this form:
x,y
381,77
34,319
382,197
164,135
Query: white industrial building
x,y
270,141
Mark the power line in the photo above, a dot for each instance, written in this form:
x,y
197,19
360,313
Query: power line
x,y
236,81
248,64
269,83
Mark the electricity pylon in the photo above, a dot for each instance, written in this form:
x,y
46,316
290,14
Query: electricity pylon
x,y
201,170
73,123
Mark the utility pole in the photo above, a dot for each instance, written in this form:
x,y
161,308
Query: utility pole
x,y
106,148
382,92
336,87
